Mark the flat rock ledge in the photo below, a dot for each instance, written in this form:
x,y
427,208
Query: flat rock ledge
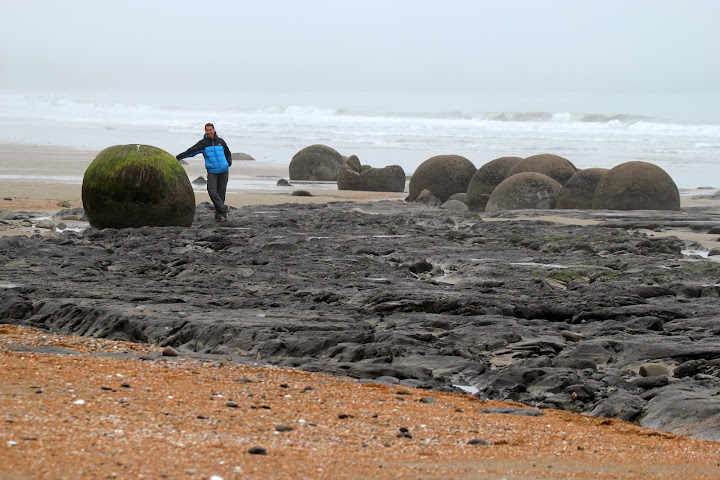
x,y
549,315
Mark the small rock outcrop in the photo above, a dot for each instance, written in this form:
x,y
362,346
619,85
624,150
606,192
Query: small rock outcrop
x,y
354,176
443,175
316,163
137,186
426,197
486,179
579,191
554,166
636,186
524,190
242,157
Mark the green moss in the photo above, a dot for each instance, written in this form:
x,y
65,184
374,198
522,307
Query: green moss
x,y
568,274
120,170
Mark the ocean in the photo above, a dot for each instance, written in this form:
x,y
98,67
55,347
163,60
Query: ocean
x,y
679,133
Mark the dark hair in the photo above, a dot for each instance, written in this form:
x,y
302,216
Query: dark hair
x,y
210,125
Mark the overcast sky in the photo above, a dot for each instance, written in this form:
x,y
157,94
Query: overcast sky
x,y
361,45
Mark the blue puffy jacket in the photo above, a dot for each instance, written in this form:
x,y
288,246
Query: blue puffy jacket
x,y
216,152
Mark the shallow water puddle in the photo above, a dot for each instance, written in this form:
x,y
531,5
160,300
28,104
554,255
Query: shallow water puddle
x,y
703,254
468,389
544,265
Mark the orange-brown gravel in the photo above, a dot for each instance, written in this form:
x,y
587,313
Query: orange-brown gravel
x,y
86,415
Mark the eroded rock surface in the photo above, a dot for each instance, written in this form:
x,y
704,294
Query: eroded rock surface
x,y
404,292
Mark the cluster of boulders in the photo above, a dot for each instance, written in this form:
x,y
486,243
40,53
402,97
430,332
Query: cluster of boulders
x,y
323,163
544,181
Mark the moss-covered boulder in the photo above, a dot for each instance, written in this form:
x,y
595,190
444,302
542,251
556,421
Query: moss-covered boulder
x,y
636,186
137,186
524,190
316,163
443,175
354,176
579,191
486,179
554,166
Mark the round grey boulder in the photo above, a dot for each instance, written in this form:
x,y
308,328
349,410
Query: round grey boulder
x,y
486,179
579,191
443,175
316,163
528,190
636,186
8,214
554,166
456,205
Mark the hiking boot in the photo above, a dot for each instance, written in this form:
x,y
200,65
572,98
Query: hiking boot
x,y
223,218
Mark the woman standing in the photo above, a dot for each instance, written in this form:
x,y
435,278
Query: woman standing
x,y
217,163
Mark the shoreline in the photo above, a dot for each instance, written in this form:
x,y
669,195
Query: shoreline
x,y
43,198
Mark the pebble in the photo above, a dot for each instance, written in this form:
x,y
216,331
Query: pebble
x,y
653,370
429,400
257,451
283,428
232,405
243,380
301,193
477,441
46,224
571,336
169,352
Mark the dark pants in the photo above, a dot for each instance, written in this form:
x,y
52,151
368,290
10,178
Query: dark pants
x,y
216,187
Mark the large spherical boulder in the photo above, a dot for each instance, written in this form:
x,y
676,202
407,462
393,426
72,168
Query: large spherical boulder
x,y
136,186
443,175
524,190
636,186
579,191
353,176
554,166
486,179
316,163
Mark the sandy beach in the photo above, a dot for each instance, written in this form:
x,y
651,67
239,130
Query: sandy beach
x,y
78,407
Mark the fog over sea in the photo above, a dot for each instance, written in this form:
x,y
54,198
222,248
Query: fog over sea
x,y
679,133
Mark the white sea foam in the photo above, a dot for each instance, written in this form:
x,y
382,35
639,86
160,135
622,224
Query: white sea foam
x,y
393,131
